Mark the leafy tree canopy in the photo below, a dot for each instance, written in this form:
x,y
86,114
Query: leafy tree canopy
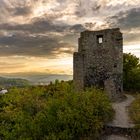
x,y
131,72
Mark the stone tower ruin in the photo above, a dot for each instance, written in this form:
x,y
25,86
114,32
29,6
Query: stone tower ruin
x,y
99,61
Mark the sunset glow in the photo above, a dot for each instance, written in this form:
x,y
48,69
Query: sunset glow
x,y
41,35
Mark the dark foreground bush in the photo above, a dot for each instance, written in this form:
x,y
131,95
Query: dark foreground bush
x,y
135,115
27,114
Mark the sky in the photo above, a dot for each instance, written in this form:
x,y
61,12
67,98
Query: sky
x,y
41,35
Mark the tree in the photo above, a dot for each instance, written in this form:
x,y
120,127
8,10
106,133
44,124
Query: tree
x,y
131,72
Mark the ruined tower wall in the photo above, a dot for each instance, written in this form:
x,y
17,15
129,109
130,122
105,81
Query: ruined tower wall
x,y
99,61
78,67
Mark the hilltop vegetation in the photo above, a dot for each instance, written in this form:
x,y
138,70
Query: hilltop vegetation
x,y
53,112
131,73
10,82
134,111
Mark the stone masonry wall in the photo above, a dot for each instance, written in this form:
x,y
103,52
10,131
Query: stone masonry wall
x,y
99,61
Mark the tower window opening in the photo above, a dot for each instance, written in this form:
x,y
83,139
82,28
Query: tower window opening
x,y
99,39
115,65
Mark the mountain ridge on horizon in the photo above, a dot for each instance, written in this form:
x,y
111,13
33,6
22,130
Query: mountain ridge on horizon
x,y
38,78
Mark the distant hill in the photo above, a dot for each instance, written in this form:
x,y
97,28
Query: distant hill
x,y
9,82
39,78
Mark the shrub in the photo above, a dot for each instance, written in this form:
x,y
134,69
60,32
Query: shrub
x,y
53,112
131,72
134,112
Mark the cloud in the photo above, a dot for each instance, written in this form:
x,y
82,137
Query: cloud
x,y
27,45
101,8
132,38
53,25
39,38
37,34
22,11
126,20
6,65
87,9
41,25
129,22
